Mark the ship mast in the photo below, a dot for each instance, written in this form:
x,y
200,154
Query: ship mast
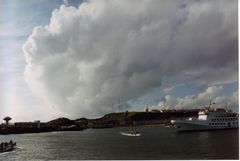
x,y
119,105
210,104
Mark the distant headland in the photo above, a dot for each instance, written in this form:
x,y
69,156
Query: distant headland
x,y
111,120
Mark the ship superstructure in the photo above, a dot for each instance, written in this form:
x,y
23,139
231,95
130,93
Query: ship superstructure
x,y
209,119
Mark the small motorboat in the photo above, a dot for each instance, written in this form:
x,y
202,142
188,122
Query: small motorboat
x,y
6,147
131,134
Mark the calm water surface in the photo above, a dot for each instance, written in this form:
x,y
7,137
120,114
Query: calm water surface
x,y
155,143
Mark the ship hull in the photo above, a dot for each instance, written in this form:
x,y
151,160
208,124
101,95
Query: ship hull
x,y
187,126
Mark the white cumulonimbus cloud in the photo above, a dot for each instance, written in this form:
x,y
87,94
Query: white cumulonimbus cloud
x,y
88,57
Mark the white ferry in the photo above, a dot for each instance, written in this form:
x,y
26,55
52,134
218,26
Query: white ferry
x,y
209,119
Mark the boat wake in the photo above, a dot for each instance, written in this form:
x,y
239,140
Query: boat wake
x,y
8,152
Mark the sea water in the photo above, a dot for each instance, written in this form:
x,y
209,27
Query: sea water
x,y
158,143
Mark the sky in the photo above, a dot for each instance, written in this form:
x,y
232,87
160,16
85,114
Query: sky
x,y
76,58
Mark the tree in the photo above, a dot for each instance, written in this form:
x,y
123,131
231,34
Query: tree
x,y
7,119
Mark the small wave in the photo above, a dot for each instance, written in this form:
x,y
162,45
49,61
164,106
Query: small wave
x,y
20,148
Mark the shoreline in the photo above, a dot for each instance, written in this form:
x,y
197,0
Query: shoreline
x,y
111,120
46,131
